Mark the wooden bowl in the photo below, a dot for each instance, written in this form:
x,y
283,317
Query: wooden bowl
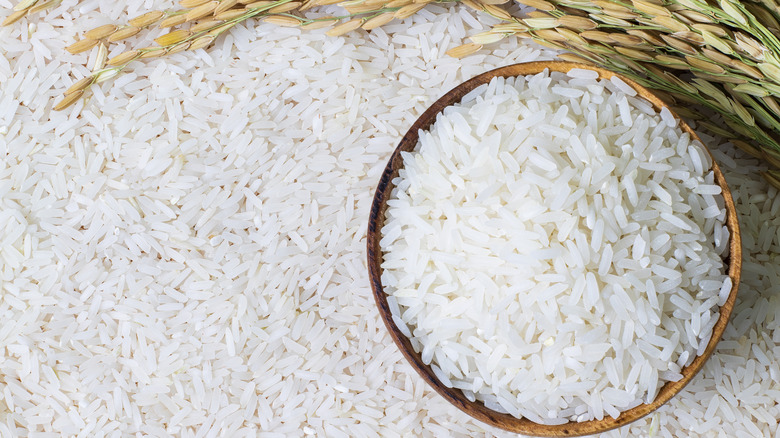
x,y
455,396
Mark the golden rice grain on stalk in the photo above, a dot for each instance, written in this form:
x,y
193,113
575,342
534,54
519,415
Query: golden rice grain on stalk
x,y
379,20
732,11
571,36
202,10
577,23
716,56
24,5
472,4
770,70
487,37
747,69
648,36
224,5
81,46
14,17
570,57
494,2
464,50
258,4
706,66
173,37
100,32
222,28
497,12
671,23
631,41
690,37
651,8
179,47
549,44
201,42
123,33
772,103
541,5
229,15
743,113
79,85
41,6
68,100
287,7
203,26
407,11
715,42
146,19
541,23
345,27
634,54
322,23
124,57
597,35
608,19
752,89
671,62
192,3
693,17
610,6
173,21
551,35
537,14
679,44
153,52
283,20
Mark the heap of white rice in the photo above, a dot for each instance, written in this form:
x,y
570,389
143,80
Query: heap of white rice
x,y
261,152
553,247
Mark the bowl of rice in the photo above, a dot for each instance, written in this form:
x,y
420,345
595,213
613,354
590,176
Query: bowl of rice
x,y
553,250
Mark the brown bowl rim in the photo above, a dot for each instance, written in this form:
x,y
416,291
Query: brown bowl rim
x,y
477,409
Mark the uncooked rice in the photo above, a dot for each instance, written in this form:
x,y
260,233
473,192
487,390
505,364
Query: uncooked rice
x,y
219,161
546,248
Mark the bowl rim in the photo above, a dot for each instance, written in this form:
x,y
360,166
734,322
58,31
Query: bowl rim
x,y
477,409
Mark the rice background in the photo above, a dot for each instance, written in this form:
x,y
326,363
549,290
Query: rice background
x,y
186,257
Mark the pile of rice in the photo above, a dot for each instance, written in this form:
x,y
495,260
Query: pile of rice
x,y
553,247
187,257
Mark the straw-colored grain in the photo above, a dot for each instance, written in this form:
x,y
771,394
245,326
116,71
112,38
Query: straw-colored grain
x,y
24,5
125,32
577,22
752,89
464,50
202,26
634,54
146,19
671,62
689,37
201,42
487,37
608,19
570,57
153,52
650,9
345,27
188,4
79,85
321,23
379,20
224,5
628,40
650,36
287,7
41,6
706,66
258,4
173,37
68,100
733,12
541,23
229,15
552,35
538,4
283,20
679,44
408,10
124,57
172,21
202,11
671,23
81,46
100,59
101,32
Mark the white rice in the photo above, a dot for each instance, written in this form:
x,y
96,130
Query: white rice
x,y
312,356
572,325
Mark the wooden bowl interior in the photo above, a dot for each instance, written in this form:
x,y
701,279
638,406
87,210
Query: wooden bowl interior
x,y
455,396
